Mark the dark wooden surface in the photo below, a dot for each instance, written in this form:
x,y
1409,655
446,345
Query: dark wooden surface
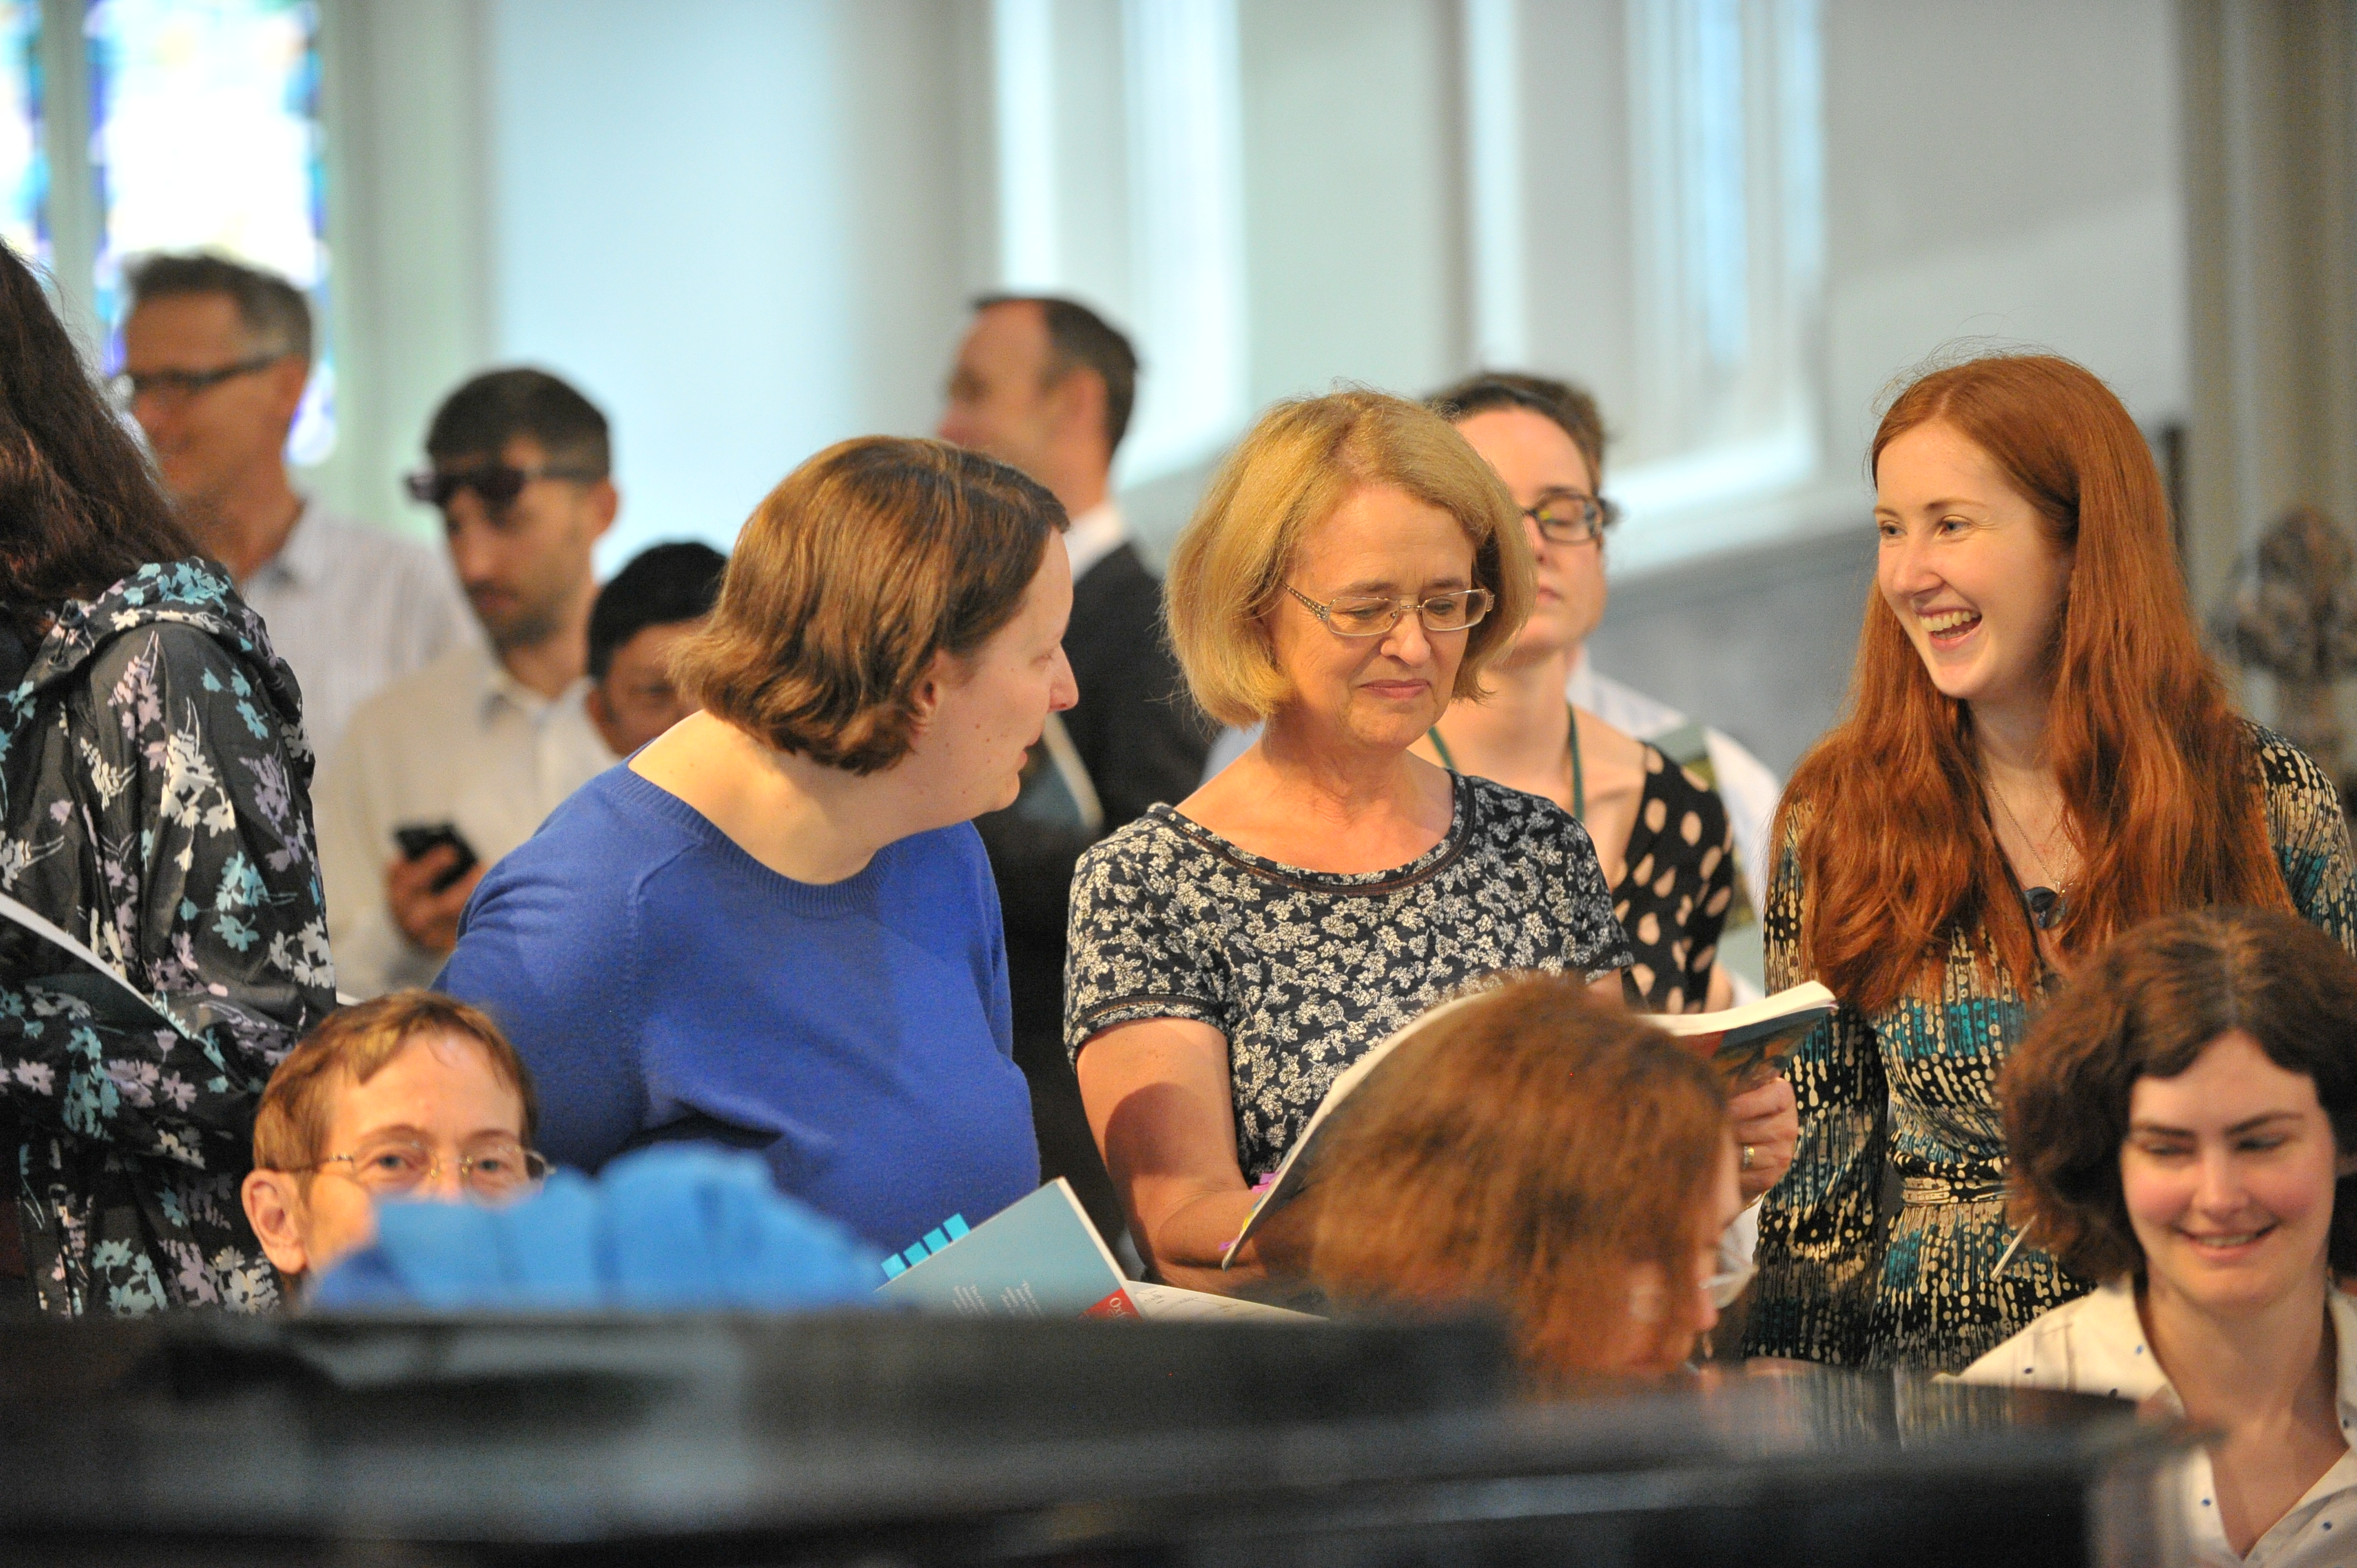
x,y
875,1438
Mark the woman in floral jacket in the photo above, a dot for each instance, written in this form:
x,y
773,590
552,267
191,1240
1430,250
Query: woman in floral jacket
x,y
155,803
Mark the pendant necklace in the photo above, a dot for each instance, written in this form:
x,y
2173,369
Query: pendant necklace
x,y
2045,904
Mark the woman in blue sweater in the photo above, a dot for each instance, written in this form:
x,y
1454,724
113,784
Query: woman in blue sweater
x,y
774,927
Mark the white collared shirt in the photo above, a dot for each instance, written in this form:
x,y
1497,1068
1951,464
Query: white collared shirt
x,y
353,609
460,741
1094,535
2096,1346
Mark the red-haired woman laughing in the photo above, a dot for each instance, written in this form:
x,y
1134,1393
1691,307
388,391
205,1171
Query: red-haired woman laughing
x,y
2037,755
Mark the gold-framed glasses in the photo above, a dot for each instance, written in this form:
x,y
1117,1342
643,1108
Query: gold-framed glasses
x,y
391,1166
1371,614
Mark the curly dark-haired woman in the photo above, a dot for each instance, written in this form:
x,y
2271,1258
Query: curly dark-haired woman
x,y
2185,1125
155,803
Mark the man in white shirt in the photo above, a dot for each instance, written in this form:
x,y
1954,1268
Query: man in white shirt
x,y
1045,385
215,357
491,737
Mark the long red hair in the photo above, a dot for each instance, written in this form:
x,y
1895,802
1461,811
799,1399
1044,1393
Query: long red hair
x,y
2159,783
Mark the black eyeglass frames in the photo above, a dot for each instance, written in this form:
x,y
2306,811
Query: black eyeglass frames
x,y
129,386
1566,517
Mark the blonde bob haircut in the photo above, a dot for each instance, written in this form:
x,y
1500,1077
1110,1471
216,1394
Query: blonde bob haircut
x,y
862,565
1288,475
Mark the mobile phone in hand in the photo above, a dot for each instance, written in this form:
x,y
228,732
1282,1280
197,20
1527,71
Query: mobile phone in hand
x,y
420,839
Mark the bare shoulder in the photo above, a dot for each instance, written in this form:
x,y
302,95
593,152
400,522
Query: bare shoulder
x,y
1611,758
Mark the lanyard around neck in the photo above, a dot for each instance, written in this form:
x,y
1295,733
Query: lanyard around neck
x,y
1578,778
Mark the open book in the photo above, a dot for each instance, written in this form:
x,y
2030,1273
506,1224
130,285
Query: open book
x,y
1042,1258
1738,1042
37,953
1743,1042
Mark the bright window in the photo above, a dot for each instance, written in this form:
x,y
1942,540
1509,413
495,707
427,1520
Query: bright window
x,y
22,167
206,136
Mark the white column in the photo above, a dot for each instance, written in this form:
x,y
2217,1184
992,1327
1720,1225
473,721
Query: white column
x,y
1186,180
2270,151
1493,145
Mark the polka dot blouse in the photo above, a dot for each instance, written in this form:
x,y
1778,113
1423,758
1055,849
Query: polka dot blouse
x,y
1678,880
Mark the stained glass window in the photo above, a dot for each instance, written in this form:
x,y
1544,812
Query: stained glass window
x,y
205,115
22,167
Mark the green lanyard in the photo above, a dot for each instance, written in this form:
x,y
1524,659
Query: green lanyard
x,y
1578,779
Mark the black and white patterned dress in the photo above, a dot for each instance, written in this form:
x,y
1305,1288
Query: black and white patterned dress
x,y
1304,970
1677,880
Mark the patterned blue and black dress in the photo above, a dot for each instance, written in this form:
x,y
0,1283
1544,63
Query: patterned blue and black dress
x,y
1908,1092
154,802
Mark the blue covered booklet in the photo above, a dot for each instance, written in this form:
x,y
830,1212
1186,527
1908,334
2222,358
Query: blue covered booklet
x,y
1037,1258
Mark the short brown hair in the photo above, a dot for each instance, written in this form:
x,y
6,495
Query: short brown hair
x,y
862,565
273,312
1080,339
2149,1004
1571,409
292,1124
1288,475
1522,1152
491,410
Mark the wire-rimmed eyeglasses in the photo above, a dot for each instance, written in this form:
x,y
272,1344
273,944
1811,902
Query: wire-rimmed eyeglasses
x,y
389,1166
1371,614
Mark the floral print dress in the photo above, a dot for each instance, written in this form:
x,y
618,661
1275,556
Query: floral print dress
x,y
1305,971
1909,1092
155,803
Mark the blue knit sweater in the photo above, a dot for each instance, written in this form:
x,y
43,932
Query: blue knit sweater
x,y
662,983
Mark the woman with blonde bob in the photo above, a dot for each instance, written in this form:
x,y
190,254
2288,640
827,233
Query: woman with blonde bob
x,y
774,926
2038,754
1550,1158
1354,569
2185,1122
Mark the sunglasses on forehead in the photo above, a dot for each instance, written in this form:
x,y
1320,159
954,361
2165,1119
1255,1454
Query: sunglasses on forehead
x,y
496,484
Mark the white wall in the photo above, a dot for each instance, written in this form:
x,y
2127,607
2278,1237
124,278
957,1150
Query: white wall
x,y
2007,170
734,223
1354,226
749,227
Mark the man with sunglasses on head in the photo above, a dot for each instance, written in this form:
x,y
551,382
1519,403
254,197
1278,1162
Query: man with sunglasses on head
x,y
413,1096
215,358
445,770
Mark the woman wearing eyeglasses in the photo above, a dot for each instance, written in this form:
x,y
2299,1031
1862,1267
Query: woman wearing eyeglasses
x,y
1354,567
1663,836
414,1095
1553,1160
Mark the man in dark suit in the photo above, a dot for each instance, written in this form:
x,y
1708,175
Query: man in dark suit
x,y
1046,386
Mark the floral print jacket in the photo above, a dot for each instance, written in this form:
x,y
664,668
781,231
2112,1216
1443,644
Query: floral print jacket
x,y
155,802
